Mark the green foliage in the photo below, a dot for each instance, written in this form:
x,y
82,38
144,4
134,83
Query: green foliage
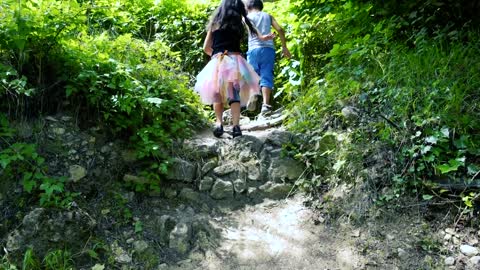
x,y
21,162
6,264
121,64
136,87
138,226
53,260
58,260
29,35
30,262
97,249
411,74
182,26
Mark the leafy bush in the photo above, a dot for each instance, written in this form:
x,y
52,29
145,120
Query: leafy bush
x,y
20,162
179,24
411,76
54,260
96,56
136,88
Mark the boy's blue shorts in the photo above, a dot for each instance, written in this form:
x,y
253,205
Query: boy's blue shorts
x,y
263,61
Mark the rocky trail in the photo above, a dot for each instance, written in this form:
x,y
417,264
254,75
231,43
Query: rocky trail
x,y
274,234
228,204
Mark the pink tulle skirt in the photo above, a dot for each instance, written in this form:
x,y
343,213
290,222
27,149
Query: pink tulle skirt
x,y
224,73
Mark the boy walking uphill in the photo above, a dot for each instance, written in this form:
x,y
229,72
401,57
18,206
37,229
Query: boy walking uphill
x,y
261,53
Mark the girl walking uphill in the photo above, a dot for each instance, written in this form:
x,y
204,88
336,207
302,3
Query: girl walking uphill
x,y
228,78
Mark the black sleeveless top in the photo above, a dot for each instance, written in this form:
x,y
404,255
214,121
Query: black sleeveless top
x,y
225,40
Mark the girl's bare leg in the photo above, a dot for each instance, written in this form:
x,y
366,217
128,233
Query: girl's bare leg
x,y
235,108
218,108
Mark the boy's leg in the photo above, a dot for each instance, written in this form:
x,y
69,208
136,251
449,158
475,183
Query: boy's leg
x,y
253,59
266,73
266,93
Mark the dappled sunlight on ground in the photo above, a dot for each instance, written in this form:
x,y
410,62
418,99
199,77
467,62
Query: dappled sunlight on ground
x,y
278,235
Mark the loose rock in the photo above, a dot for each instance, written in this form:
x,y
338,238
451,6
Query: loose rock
x,y
180,238
189,194
450,231
449,261
222,190
181,170
275,190
121,256
468,250
240,185
206,184
140,246
208,167
77,173
225,169
475,260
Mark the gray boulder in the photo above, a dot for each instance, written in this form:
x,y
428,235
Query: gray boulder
x,y
279,138
208,166
181,170
206,184
189,194
222,190
275,190
225,169
180,238
77,173
163,226
285,169
240,185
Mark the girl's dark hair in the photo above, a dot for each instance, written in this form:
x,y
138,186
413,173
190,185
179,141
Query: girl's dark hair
x,y
229,16
255,4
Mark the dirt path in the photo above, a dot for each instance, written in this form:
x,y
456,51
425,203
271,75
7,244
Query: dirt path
x,y
275,235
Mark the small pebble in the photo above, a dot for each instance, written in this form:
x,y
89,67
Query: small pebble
x,y
449,261
450,231
475,260
468,250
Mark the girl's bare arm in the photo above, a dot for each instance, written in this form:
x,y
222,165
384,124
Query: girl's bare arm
x,y
207,44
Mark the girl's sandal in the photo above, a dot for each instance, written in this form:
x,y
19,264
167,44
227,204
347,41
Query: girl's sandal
x,y
236,131
218,131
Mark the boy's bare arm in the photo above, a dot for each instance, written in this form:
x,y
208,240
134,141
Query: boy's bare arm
x,y
281,33
266,37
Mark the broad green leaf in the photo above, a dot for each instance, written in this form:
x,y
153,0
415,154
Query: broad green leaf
x,y
445,131
4,162
473,169
138,226
97,266
427,197
431,139
28,183
452,165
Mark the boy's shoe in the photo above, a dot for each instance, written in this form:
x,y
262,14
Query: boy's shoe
x,y
252,103
266,109
218,131
236,131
